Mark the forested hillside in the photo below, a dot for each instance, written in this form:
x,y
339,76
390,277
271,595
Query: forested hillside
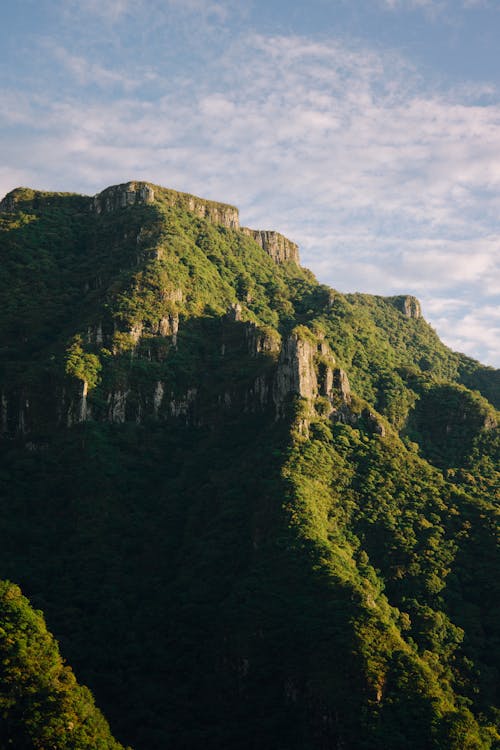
x,y
255,512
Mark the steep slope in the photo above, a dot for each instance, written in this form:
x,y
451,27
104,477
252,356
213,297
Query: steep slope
x,y
256,512
41,704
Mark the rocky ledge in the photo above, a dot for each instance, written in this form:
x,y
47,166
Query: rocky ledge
x,y
408,305
139,193
280,248
142,193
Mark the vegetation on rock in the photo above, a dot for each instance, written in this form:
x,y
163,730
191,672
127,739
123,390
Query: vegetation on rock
x,y
274,523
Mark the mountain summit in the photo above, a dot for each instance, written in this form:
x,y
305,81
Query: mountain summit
x,y
256,512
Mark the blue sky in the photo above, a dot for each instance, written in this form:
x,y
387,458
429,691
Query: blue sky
x,y
366,130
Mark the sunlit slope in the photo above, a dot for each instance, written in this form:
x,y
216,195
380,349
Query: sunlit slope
x,y
256,512
41,704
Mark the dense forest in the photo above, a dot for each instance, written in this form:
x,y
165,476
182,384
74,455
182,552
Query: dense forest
x,y
248,510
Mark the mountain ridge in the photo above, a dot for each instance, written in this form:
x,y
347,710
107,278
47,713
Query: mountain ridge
x,y
230,487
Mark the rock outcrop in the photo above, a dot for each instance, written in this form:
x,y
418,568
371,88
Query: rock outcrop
x,y
408,305
279,247
117,197
306,368
120,196
217,213
296,371
138,193
9,202
261,341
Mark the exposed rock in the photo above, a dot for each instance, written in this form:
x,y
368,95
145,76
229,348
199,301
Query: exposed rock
x,y
169,326
261,341
258,397
135,332
83,403
158,397
27,197
373,421
279,247
490,423
138,415
409,306
234,312
121,196
118,197
217,213
8,204
95,334
341,385
172,295
306,368
339,395
117,403
260,391
296,372
181,407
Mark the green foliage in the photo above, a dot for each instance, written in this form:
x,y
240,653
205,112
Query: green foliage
x,y
447,420
202,560
41,704
81,365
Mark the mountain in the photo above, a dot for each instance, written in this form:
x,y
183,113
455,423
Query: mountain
x,y
256,512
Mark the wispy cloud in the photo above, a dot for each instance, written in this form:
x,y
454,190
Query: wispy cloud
x,y
411,4
88,72
467,326
434,6
389,184
155,10
110,10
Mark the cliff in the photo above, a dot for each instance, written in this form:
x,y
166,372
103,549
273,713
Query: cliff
x,y
142,193
291,488
408,305
278,247
275,244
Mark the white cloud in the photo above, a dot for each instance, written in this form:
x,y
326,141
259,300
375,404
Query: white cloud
x,y
468,327
87,72
434,6
408,4
155,11
110,10
389,184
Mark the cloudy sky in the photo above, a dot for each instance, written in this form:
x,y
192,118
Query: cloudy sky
x,y
366,130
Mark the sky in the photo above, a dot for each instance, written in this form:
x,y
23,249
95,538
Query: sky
x,y
367,131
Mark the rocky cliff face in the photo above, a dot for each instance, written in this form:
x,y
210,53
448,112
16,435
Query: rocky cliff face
x,y
279,247
116,197
121,196
296,372
306,367
300,365
8,203
408,305
217,213
137,193
27,198
146,268
167,395
142,193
